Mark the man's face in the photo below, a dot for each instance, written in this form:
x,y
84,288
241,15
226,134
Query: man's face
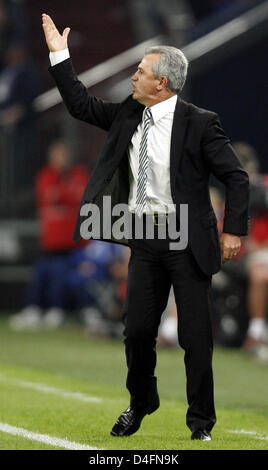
x,y
60,158
144,82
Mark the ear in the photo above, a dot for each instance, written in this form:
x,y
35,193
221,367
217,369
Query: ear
x,y
163,83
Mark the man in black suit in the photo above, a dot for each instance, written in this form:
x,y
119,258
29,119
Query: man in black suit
x,y
159,154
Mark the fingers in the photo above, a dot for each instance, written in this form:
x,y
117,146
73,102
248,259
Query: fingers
x,y
48,21
45,20
230,246
55,41
48,24
229,254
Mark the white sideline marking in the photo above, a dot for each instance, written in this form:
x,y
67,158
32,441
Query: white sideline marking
x,y
44,438
47,389
254,434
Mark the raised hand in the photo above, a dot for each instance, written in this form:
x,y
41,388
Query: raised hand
x,y
55,41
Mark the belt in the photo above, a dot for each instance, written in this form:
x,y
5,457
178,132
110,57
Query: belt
x,y
158,218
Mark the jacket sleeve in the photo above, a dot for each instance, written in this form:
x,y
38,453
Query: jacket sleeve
x,y
79,103
225,165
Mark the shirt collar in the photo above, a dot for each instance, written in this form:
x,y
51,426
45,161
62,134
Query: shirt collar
x,y
160,110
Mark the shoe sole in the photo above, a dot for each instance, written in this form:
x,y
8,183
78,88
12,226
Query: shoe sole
x,y
206,439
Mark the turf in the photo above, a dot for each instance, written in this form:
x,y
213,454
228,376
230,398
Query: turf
x,y
70,360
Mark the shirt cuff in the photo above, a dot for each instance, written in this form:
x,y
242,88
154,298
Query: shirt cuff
x,y
58,56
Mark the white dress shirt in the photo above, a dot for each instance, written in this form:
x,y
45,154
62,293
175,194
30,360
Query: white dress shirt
x,y
158,148
58,56
159,138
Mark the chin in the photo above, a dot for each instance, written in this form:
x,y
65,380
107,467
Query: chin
x,y
137,98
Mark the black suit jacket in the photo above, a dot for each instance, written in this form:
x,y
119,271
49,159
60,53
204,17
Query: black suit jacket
x,y
199,147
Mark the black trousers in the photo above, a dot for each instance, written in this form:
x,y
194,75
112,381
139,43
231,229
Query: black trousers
x,y
153,268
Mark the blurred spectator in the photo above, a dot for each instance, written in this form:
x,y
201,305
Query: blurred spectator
x,y
18,88
59,188
256,249
257,265
241,286
96,285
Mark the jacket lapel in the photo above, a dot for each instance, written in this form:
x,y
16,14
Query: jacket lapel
x,y
180,122
127,130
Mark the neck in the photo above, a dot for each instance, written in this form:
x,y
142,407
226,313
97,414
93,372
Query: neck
x,y
155,99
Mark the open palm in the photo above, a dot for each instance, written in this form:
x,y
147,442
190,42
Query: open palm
x,y
55,41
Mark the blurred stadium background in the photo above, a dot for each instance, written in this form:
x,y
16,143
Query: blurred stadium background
x,y
46,156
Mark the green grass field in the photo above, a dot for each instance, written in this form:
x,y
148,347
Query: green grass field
x,y
48,379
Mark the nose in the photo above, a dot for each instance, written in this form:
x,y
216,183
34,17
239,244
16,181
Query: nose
x,y
134,77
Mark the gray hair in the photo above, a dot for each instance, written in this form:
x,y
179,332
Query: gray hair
x,y
172,64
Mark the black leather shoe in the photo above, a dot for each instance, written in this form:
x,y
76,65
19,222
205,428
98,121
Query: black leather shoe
x,y
201,435
130,421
